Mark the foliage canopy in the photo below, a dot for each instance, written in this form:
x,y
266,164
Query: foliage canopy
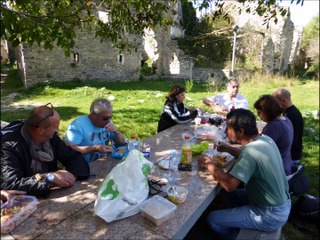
x,y
310,32
57,22
310,44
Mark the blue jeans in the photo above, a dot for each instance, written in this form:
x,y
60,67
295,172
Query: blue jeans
x,y
227,222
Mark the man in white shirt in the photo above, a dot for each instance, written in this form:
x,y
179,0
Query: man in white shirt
x,y
225,102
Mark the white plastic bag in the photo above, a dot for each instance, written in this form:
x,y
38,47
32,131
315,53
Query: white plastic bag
x,y
125,187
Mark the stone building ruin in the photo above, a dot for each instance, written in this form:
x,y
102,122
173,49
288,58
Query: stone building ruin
x,y
93,60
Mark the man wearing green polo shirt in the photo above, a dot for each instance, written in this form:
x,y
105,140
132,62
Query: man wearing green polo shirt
x,y
264,203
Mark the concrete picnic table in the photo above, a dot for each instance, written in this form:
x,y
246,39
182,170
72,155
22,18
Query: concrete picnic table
x,y
68,213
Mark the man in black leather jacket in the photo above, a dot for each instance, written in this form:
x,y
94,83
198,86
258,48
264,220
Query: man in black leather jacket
x,y
30,151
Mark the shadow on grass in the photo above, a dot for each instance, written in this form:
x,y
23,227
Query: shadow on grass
x,y
66,113
150,85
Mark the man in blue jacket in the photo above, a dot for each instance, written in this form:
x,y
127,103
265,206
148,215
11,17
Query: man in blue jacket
x,y
30,151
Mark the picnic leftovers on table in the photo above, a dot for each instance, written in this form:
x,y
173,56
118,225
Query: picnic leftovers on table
x,y
164,163
120,152
208,133
177,194
16,212
221,159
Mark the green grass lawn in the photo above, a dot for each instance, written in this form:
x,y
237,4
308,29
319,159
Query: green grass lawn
x,y
137,107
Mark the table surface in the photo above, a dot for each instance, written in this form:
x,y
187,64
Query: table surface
x,y
68,213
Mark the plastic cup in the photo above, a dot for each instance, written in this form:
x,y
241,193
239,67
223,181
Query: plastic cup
x,y
204,119
197,121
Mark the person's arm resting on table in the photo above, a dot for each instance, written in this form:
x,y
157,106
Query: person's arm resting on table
x,y
74,138
101,148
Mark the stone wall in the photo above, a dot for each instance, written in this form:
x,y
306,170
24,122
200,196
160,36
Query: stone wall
x,y
93,60
295,57
4,51
268,56
90,60
281,34
204,74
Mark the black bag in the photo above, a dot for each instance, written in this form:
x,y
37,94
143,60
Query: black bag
x,y
307,207
298,183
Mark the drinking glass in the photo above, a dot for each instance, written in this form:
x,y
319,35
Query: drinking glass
x,y
197,121
173,172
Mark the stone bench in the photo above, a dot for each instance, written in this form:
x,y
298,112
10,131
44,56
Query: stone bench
x,y
251,234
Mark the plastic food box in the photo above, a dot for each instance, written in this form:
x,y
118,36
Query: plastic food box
x,y
19,209
157,209
179,195
221,159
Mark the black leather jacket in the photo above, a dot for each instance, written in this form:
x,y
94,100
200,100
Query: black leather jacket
x,y
16,171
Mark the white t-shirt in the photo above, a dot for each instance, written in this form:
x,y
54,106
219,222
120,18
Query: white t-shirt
x,y
225,102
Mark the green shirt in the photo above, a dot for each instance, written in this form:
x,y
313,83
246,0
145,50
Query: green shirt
x,y
260,167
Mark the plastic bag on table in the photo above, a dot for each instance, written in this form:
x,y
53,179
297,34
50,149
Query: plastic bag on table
x,y
124,188
208,133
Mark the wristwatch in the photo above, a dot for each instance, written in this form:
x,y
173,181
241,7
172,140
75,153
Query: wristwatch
x,y
50,177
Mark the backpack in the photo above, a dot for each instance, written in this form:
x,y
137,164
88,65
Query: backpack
x,y
307,208
298,181
304,215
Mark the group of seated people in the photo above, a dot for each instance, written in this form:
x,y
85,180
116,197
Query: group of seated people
x,y
284,120
30,151
264,159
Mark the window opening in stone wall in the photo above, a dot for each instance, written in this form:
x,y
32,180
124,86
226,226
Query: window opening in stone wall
x,y
75,57
120,58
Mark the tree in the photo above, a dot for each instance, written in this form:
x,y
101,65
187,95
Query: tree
x,y
265,8
56,22
310,44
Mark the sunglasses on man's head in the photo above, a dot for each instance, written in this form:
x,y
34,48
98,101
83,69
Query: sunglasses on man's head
x,y
106,118
49,115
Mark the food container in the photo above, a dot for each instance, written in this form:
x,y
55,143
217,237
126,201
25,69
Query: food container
x,y
157,209
221,159
146,149
179,195
120,152
207,133
204,118
17,211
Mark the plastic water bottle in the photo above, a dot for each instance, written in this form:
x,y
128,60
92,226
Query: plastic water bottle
x,y
223,129
186,153
133,143
145,149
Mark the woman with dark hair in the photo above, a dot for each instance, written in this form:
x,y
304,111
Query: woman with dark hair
x,y
174,112
278,127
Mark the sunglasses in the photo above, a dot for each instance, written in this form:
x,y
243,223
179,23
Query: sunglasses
x,y
235,86
49,115
106,118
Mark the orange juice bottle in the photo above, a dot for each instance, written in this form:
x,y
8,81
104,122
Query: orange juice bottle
x,y
186,153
